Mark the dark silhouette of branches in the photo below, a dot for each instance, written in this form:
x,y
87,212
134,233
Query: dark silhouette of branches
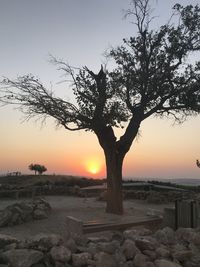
x,y
198,163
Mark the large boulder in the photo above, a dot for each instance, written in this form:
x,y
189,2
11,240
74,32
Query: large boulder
x,y
21,212
22,257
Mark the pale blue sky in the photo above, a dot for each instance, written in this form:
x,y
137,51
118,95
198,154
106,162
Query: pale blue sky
x,y
78,31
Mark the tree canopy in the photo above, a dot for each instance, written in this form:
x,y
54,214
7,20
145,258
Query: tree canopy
x,y
37,168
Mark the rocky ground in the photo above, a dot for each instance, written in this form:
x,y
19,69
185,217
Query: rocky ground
x,y
40,243
132,248
85,209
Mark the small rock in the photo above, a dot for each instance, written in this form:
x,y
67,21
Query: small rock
x,y
81,240
166,263
71,245
108,247
131,234
38,265
105,260
165,236
129,249
60,253
151,254
120,257
92,248
61,264
144,232
193,262
5,217
11,246
91,263
81,259
127,264
118,236
194,249
184,234
145,244
6,240
140,259
39,214
162,252
196,239
45,242
148,264
94,239
182,255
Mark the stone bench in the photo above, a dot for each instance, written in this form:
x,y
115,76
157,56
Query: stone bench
x,y
75,226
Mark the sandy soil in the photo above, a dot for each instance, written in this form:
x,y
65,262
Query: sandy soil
x,y
87,209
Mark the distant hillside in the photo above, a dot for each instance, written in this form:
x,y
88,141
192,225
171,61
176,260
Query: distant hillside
x,y
30,180
181,181
184,181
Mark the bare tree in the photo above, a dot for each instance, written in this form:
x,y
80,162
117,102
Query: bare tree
x,y
152,78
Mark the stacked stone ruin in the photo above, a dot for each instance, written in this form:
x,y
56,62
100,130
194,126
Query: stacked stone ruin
x,y
132,248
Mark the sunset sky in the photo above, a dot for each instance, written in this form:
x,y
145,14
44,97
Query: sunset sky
x,y
80,31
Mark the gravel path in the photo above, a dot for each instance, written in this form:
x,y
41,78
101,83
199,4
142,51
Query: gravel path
x,y
87,209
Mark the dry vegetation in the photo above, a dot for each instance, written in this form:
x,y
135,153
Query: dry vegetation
x,y
34,180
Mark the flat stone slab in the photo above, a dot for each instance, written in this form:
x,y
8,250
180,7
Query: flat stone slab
x,y
78,227
149,222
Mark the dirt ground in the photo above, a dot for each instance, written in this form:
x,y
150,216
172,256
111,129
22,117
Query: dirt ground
x,y
85,209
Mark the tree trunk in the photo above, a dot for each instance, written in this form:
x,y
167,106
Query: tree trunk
x,y
115,152
114,195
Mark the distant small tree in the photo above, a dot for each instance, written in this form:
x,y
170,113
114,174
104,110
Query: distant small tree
x,y
198,163
37,168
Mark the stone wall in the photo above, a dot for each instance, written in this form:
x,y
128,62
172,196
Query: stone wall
x,y
153,196
159,197
31,192
132,248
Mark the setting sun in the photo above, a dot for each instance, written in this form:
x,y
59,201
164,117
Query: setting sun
x,y
93,166
93,169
